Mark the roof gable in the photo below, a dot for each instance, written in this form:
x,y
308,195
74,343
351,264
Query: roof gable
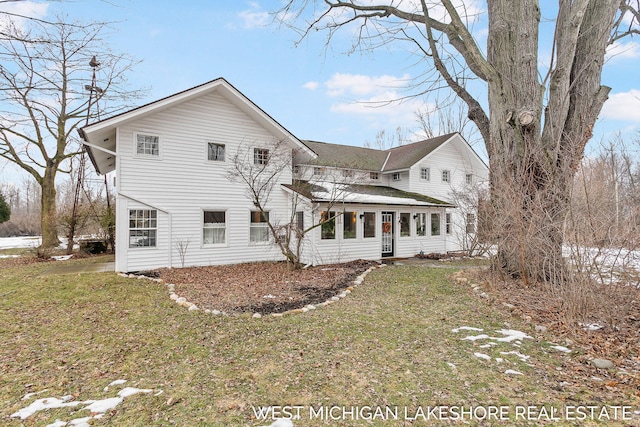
x,y
405,156
346,156
101,135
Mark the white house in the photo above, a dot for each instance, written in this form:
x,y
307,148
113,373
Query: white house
x,y
176,204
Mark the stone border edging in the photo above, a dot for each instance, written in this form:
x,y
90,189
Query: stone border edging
x,y
182,301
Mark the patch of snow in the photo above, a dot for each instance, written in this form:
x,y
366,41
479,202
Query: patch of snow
x,y
103,405
116,382
482,356
19,242
81,422
475,337
62,257
130,391
591,326
515,353
511,335
57,423
41,404
269,296
10,256
451,365
561,348
466,328
29,395
512,372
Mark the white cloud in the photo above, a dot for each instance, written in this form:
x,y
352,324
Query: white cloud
x,y
619,50
27,8
254,17
359,85
311,85
623,106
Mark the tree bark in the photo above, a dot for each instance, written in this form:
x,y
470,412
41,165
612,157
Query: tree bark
x,y
48,222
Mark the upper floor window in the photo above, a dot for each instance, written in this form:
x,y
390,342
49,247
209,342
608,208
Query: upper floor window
x,y
143,227
468,178
260,156
347,173
396,176
317,170
215,152
446,176
147,145
214,228
296,169
425,174
374,175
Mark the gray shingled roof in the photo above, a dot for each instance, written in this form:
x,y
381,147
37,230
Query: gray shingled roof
x,y
351,157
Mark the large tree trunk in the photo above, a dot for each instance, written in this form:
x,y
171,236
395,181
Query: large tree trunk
x,y
48,222
532,163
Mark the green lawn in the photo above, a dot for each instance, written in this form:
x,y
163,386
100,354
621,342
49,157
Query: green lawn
x,y
389,344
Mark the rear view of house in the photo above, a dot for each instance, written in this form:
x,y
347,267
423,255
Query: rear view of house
x,y
177,205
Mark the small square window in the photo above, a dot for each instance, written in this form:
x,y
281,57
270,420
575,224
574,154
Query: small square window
x,y
468,178
425,174
215,152
147,145
347,173
296,169
374,175
260,156
396,176
318,171
446,176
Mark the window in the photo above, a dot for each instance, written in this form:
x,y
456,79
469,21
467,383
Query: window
x,y
435,224
405,224
296,169
471,223
318,171
260,156
259,230
347,173
214,228
446,176
396,176
147,145
468,178
143,227
215,152
425,174
328,227
374,175
421,224
369,224
300,221
349,225
447,223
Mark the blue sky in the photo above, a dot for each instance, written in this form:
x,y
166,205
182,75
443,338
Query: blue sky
x,y
315,93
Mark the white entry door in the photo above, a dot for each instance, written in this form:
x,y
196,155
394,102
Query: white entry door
x,y
387,234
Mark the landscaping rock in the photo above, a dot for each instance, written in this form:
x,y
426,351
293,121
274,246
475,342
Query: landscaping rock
x,y
193,307
602,363
541,328
257,315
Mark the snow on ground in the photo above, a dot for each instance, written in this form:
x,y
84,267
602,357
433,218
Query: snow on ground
x,y
19,242
97,408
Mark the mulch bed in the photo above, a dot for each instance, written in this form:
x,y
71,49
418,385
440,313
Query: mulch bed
x,y
262,287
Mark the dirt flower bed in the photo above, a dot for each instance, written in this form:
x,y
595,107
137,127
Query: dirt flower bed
x,y
263,287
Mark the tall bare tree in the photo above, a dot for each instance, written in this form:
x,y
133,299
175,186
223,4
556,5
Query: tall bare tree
x,y
534,126
44,73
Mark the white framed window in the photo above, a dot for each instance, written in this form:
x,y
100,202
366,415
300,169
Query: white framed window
x,y
446,175
349,225
447,223
300,221
421,224
374,175
435,224
143,228
369,224
296,169
260,156
214,229
215,152
147,145
328,225
468,178
425,174
396,176
405,224
259,229
318,171
471,223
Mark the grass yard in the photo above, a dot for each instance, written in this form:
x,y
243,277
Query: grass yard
x,y
390,344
